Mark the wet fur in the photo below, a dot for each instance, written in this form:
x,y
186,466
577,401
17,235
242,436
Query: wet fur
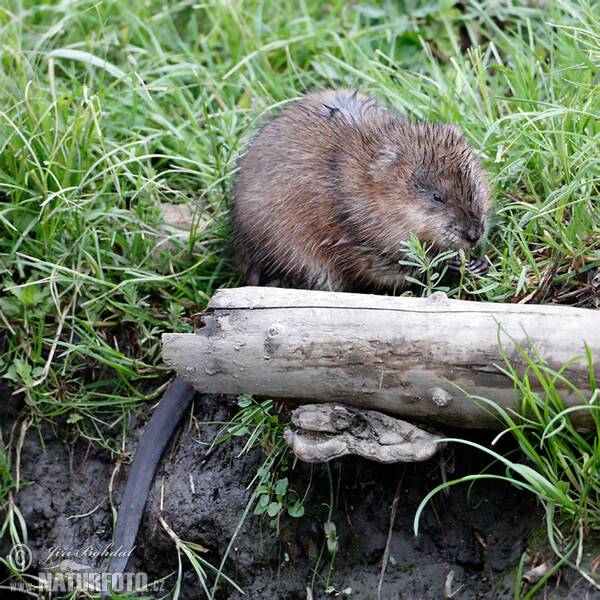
x,y
331,187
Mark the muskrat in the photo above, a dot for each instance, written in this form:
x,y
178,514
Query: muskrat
x,y
332,186
327,193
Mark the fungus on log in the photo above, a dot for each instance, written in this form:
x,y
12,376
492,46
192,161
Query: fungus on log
x,y
403,356
326,431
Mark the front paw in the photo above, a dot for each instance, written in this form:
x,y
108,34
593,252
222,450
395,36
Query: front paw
x,y
476,266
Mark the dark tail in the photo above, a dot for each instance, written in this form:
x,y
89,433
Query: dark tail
x,y
157,434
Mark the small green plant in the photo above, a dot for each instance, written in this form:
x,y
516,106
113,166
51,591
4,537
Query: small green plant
x,y
332,541
274,494
430,266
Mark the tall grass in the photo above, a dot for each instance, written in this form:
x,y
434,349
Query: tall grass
x,y
558,463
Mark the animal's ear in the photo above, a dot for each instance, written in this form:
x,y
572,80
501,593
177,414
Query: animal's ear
x,y
384,161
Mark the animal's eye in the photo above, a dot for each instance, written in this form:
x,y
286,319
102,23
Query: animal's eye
x,y
437,197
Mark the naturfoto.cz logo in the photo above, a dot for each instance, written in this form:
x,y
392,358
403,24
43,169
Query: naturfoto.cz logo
x,y
70,575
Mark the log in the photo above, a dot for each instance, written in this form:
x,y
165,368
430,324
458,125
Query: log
x,y
402,356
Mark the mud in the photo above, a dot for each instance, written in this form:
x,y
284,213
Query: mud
x,y
469,545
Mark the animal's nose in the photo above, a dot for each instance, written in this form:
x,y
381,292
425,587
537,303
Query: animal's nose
x,y
474,233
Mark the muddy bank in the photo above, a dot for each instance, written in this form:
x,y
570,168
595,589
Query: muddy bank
x,y
469,543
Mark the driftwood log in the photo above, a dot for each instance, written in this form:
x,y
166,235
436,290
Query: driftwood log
x,y
401,356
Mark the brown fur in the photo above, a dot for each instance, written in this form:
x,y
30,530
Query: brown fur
x,y
331,186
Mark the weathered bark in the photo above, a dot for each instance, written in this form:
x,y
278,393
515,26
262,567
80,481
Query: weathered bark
x,y
396,355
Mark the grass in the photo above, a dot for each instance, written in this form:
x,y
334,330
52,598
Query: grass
x,y
558,463
109,110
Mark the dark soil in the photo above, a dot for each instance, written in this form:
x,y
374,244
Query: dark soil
x,y
469,544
